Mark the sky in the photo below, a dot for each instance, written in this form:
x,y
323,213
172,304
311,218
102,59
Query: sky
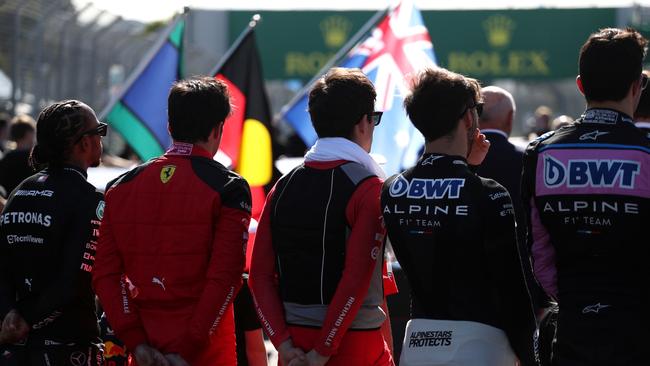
x,y
151,10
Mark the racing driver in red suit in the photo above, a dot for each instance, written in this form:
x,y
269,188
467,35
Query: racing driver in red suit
x,y
316,271
171,246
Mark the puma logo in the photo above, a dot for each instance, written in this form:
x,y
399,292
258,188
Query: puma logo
x,y
159,282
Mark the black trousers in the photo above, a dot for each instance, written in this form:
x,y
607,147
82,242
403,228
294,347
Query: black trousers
x,y
55,355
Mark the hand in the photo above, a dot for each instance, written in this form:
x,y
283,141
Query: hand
x,y
14,328
287,353
316,359
146,355
480,147
175,359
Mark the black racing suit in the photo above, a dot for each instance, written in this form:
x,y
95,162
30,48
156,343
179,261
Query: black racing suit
x,y
48,233
587,187
454,235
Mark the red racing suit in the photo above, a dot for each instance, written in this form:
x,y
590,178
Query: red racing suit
x,y
316,271
171,254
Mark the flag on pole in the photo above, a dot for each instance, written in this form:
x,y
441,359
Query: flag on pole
x,y
246,141
398,45
139,112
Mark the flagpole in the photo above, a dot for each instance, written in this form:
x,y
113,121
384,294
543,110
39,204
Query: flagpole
x,y
255,19
143,64
338,56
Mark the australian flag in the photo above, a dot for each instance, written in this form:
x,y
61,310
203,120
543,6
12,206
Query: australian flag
x,y
396,48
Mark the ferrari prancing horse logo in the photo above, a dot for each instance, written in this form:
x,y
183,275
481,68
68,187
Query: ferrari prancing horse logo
x,y
167,172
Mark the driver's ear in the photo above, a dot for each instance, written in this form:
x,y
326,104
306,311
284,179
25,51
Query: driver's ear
x,y
218,130
579,84
467,119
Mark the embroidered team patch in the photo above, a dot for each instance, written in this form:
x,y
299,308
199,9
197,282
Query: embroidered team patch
x,y
100,210
167,172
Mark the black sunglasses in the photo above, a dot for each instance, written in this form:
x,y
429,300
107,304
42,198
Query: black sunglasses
x,y
478,106
644,81
375,117
100,130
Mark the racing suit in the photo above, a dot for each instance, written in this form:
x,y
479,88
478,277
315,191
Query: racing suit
x,y
316,272
171,255
586,187
48,233
454,235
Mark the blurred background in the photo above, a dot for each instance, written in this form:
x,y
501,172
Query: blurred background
x,y
58,49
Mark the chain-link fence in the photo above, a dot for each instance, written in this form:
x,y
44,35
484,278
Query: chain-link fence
x,y
50,53
51,50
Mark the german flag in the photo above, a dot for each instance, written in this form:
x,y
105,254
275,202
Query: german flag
x,y
246,140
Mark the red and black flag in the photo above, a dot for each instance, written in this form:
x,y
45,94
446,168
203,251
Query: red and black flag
x,y
246,141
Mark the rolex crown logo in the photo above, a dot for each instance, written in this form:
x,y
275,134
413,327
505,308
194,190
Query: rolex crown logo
x,y
335,30
499,30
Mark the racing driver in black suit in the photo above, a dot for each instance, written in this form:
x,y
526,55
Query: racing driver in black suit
x,y
454,235
48,233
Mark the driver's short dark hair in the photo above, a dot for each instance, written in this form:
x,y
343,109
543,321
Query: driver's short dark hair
x,y
338,100
195,107
610,61
438,99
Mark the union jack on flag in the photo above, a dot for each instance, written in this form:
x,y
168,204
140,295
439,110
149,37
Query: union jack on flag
x,y
398,46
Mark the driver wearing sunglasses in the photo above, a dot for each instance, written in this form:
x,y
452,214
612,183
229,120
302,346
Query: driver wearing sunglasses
x,y
327,305
48,236
453,233
99,130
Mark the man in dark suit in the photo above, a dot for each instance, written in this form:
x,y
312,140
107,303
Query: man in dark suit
x,y
503,163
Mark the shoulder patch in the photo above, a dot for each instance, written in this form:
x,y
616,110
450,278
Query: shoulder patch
x,y
100,209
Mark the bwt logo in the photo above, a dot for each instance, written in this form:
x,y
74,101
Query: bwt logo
x,y
427,188
590,172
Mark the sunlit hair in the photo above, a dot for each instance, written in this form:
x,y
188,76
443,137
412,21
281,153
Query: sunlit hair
x,y
57,128
438,99
610,61
339,100
195,107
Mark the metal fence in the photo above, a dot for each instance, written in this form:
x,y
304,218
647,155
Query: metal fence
x,y
52,50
